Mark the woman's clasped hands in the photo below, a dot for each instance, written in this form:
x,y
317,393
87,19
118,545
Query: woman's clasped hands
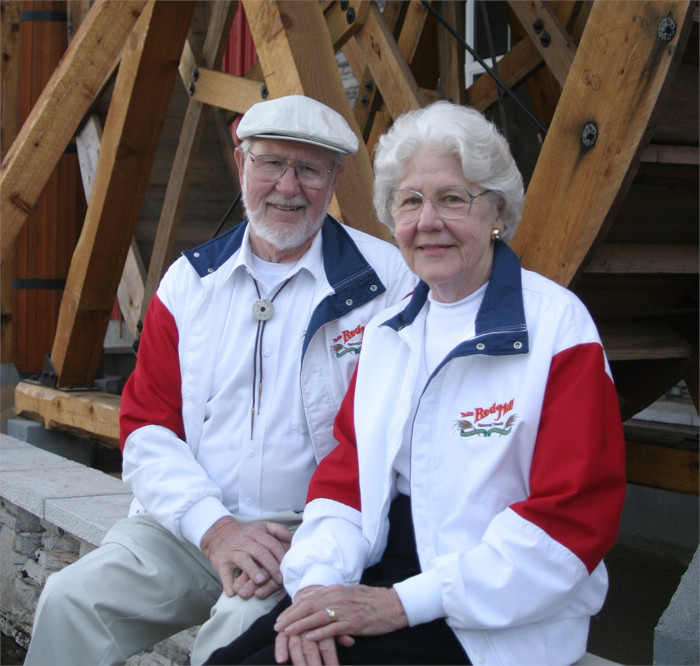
x,y
322,617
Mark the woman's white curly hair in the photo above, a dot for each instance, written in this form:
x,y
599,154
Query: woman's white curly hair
x,y
452,130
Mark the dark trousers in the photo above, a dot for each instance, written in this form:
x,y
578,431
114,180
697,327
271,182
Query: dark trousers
x,y
429,643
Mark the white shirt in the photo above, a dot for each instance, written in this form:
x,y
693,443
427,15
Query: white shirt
x,y
445,326
248,471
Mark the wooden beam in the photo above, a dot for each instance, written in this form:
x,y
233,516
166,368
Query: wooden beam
x,y
670,154
389,68
130,290
238,93
513,68
60,108
554,43
219,89
369,101
660,467
644,259
296,55
90,414
379,118
598,131
409,37
412,29
645,341
344,20
139,104
450,53
196,117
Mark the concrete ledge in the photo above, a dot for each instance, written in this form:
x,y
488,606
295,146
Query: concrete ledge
x,y
676,636
85,503
82,501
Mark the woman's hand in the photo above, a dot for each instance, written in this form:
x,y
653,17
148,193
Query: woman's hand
x,y
304,652
335,612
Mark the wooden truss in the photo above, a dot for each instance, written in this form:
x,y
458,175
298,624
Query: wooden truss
x,y
601,78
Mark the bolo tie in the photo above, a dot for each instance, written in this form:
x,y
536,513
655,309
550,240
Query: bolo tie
x,y
263,309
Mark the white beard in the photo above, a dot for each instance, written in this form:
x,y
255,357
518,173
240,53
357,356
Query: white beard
x,y
283,237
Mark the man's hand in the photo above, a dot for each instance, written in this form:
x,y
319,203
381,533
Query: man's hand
x,y
247,556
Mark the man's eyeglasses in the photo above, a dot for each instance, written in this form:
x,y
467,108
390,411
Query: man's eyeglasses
x,y
270,168
452,202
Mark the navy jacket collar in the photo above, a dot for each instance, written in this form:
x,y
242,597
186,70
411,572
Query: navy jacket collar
x,y
501,314
342,260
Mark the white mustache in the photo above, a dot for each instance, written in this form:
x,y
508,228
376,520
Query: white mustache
x,y
281,201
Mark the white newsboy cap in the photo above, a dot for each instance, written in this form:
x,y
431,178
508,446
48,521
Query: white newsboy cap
x,y
298,118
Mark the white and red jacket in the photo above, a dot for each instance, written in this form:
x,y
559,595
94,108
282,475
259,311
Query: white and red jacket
x,y
517,472
163,403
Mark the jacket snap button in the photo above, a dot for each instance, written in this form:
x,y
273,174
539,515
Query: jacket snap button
x,y
518,345
348,302
481,346
373,287
210,270
196,254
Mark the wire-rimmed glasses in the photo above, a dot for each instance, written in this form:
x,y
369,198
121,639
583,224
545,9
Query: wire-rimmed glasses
x,y
270,168
451,202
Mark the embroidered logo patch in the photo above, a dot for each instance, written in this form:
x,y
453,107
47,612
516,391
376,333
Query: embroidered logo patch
x,y
348,342
486,421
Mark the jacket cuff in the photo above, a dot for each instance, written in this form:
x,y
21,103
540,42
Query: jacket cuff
x,y
421,597
318,574
200,517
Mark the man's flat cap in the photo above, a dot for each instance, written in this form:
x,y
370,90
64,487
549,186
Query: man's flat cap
x,y
298,118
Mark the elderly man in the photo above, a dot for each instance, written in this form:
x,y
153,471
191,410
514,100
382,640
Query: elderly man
x,y
219,460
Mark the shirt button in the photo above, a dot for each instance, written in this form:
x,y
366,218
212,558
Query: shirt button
x,y
348,302
480,658
248,501
481,346
251,453
267,352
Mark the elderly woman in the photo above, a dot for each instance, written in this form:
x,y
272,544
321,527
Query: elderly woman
x,y
479,474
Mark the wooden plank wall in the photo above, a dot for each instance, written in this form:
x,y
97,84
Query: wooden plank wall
x,y
9,114
45,245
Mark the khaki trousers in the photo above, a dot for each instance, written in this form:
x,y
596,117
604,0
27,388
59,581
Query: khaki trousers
x,y
141,586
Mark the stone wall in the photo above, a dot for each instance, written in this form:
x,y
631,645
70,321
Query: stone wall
x,y
30,550
52,511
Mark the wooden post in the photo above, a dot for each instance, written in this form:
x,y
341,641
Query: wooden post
x,y
149,66
58,111
196,117
598,132
296,54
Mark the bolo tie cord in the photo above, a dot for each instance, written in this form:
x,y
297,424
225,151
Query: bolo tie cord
x,y
259,351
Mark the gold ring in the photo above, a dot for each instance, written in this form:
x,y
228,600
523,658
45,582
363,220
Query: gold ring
x,y
331,614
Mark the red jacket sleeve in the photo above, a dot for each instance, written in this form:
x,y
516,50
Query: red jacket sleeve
x,y
152,394
337,475
577,477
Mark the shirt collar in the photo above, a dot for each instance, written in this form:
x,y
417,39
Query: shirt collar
x,y
311,260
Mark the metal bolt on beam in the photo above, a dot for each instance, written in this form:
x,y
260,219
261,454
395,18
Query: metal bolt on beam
x,y
589,135
666,29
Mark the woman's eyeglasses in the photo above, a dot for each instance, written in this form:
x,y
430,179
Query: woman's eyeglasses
x,y
452,202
